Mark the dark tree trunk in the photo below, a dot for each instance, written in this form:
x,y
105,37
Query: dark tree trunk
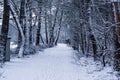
x,y
42,39
117,54
5,28
51,34
58,34
31,27
46,27
38,29
116,37
92,38
22,13
21,20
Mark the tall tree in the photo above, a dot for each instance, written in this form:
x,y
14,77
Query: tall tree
x,y
20,30
116,36
52,27
39,23
5,28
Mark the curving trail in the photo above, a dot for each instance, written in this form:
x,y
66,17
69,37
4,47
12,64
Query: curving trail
x,y
52,64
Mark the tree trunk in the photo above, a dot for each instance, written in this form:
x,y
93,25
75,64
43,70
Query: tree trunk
x,y
51,33
116,37
38,29
21,20
26,29
92,37
58,34
31,27
20,53
5,28
46,28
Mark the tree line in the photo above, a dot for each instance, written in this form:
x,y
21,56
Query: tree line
x,y
91,27
95,31
28,16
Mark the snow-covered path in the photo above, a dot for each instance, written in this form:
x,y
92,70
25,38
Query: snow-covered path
x,y
52,64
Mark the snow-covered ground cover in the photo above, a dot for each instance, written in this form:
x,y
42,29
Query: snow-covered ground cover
x,y
55,63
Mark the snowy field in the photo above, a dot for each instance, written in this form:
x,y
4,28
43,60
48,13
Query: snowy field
x,y
55,63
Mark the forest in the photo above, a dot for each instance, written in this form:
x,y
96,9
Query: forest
x,y
90,27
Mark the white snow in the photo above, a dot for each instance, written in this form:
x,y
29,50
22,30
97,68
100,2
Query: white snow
x,y
13,45
55,63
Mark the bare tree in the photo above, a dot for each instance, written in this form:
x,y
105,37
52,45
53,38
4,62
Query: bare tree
x,y
4,29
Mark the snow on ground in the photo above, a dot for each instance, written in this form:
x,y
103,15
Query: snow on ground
x,y
13,47
55,63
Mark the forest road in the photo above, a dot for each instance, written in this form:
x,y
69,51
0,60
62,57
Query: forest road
x,y
52,64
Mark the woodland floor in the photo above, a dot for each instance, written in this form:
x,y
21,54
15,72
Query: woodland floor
x,y
57,63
